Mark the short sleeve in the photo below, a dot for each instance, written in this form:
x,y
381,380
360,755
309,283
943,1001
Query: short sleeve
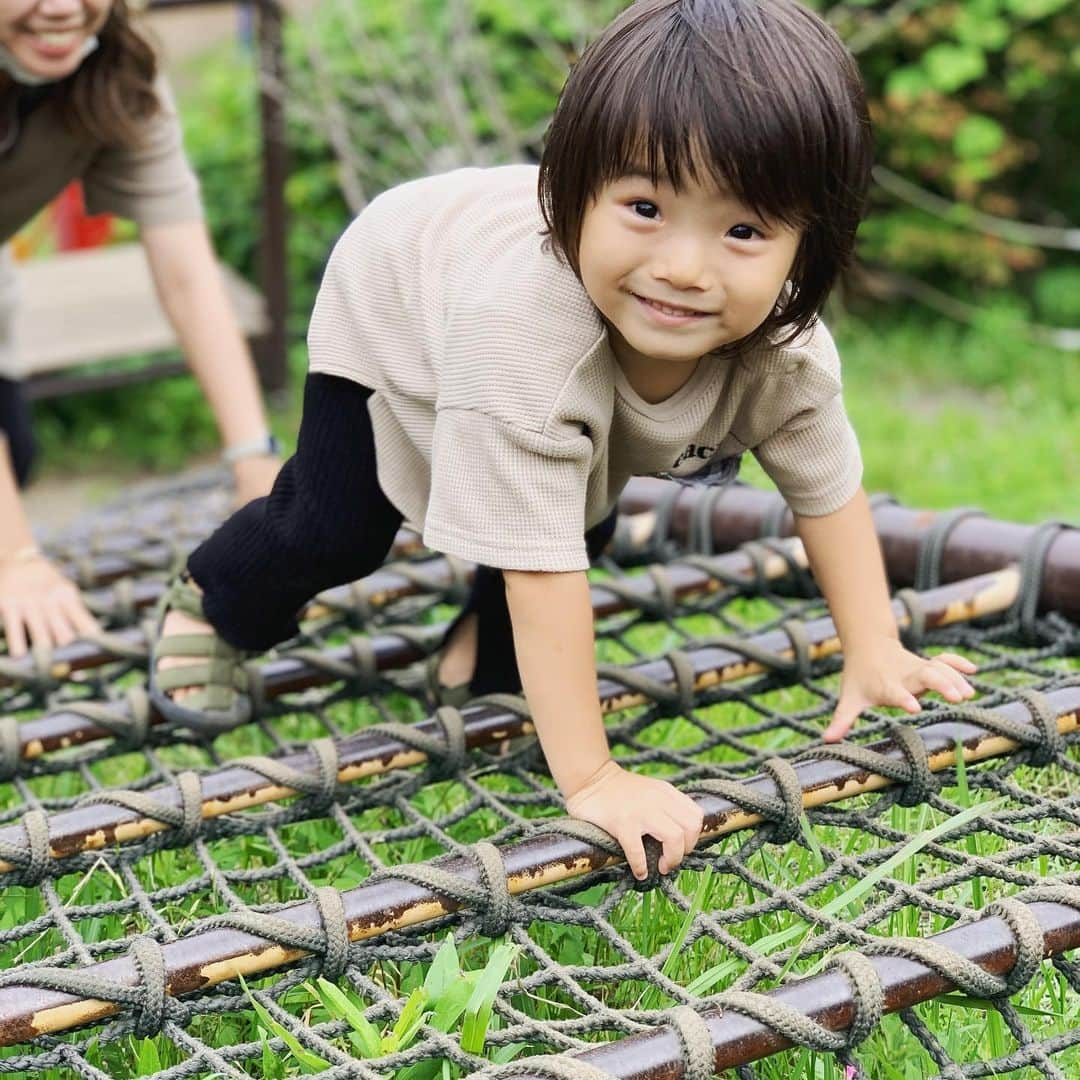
x,y
507,497
814,459
150,183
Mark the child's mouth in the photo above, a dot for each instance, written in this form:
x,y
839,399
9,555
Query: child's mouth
x,y
669,314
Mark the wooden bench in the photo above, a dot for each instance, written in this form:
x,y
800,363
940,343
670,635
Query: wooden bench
x,y
82,307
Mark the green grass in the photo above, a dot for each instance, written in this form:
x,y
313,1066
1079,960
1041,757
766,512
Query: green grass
x,y
661,925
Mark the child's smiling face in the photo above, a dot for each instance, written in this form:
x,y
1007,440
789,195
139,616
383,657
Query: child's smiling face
x,y
677,274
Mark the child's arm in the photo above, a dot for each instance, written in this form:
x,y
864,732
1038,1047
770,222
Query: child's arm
x,y
553,635
846,560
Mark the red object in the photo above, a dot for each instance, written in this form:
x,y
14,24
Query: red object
x,y
75,229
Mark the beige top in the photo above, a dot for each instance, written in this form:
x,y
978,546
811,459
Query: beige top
x,y
504,426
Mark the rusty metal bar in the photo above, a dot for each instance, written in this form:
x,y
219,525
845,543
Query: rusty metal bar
x,y
203,959
129,558
976,545
233,789
273,352
827,999
377,590
61,730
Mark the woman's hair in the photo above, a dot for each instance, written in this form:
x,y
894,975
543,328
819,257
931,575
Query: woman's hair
x,y
112,92
760,94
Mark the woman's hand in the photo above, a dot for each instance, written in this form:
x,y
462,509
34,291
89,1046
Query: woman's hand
x,y
37,600
253,477
882,672
630,806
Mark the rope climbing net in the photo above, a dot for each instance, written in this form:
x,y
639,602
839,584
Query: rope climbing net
x,y
280,899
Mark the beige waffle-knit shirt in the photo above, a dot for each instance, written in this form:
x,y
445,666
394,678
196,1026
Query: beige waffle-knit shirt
x,y
504,427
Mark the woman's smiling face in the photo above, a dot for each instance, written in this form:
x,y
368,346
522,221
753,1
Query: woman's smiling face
x,y
47,38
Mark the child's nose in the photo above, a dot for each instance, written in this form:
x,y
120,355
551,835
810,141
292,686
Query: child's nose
x,y
682,264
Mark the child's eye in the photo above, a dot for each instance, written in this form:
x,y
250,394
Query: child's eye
x,y
743,232
646,209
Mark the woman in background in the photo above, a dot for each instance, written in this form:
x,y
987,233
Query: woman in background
x,y
81,99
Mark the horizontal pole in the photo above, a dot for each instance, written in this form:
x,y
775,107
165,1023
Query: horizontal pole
x,y
975,545
206,958
827,999
289,673
360,756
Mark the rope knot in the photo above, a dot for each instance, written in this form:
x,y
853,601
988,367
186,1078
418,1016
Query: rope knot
x,y
697,1047
1051,744
186,818
1029,942
153,1001
867,993
920,783
33,858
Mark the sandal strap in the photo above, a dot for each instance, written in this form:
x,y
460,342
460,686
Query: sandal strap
x,y
439,692
220,674
199,646
217,683
182,595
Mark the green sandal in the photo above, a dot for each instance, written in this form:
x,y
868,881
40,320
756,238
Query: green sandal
x,y
219,700
439,693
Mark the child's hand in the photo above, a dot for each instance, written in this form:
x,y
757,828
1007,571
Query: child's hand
x,y
629,806
883,672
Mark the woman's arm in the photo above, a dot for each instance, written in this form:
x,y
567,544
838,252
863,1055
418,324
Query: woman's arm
x,y
35,598
553,635
189,285
846,560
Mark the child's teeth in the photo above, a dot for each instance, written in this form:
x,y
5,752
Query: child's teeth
x,y
57,39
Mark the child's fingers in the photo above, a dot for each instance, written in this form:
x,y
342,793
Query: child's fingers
x,y
673,840
900,697
691,822
81,619
843,719
60,626
940,677
38,627
634,850
960,663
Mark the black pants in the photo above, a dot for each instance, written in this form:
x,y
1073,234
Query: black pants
x,y
15,426
327,522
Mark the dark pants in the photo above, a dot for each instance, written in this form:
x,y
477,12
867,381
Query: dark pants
x,y
15,426
327,522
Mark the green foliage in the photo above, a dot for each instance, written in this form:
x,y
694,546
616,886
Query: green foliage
x,y
975,100
451,1000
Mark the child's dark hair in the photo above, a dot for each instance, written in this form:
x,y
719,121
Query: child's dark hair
x,y
760,93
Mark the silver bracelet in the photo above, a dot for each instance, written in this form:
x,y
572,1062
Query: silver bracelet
x,y
264,446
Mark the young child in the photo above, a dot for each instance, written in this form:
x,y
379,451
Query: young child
x,y
493,366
